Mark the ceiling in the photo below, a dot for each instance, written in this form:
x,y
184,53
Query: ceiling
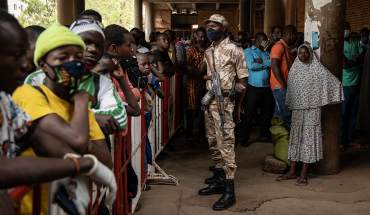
x,y
198,4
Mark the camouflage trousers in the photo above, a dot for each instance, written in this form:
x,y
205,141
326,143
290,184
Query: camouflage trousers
x,y
222,148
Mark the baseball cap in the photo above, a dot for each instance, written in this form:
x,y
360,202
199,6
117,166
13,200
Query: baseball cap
x,y
217,18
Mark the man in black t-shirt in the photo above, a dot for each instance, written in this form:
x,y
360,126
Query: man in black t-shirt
x,y
166,65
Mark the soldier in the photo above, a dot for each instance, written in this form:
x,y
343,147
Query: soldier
x,y
229,63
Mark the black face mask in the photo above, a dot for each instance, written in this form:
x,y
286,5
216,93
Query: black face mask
x,y
123,61
202,43
68,74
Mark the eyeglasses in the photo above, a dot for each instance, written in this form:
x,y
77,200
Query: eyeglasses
x,y
87,21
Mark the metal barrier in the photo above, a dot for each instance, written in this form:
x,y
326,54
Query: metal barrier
x,y
131,148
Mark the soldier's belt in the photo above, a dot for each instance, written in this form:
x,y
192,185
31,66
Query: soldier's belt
x,y
224,94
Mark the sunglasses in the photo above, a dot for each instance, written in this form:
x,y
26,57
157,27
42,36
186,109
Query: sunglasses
x,y
86,21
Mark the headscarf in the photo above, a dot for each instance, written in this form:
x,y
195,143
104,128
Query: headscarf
x,y
312,85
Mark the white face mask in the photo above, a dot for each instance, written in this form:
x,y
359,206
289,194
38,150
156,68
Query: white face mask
x,y
264,43
346,33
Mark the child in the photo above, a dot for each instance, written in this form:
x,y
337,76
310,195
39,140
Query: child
x,y
144,68
166,65
109,110
113,70
155,77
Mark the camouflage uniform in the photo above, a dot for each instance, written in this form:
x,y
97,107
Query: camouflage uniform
x,y
229,62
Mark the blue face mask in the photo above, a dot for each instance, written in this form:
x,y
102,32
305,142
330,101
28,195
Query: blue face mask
x,y
69,74
212,34
346,33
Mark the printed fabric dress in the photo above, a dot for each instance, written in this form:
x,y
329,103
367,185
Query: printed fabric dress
x,y
310,86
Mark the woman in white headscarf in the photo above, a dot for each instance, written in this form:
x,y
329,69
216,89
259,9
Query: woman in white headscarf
x,y
310,86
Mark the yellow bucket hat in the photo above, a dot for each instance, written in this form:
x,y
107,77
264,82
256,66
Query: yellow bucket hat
x,y
55,36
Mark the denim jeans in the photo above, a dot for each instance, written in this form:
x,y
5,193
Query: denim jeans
x,y
280,108
349,113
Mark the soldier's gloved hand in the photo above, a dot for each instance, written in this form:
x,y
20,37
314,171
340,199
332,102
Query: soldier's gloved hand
x,y
78,189
102,175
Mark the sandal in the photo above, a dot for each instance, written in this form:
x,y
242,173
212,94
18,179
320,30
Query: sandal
x,y
341,148
147,187
284,177
357,146
138,206
301,183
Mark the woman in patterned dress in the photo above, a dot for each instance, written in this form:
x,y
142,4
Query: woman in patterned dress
x,y
310,86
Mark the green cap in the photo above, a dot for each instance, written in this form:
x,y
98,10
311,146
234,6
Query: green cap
x,y
55,36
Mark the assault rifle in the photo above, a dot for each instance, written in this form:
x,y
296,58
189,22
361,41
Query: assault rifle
x,y
215,92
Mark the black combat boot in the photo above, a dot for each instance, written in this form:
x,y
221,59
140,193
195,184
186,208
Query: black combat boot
x,y
212,179
218,185
228,199
212,168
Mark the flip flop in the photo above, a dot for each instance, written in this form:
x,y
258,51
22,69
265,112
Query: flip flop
x,y
357,146
341,148
284,178
301,183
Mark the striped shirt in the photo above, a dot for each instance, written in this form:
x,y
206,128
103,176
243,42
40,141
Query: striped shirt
x,y
107,99
195,83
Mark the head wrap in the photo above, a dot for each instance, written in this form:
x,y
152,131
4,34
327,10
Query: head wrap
x,y
311,84
54,37
83,27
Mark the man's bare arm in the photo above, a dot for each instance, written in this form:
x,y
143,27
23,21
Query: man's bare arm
x,y
241,87
174,58
169,71
275,66
47,145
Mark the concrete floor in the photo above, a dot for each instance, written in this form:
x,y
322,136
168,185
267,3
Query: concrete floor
x,y
257,192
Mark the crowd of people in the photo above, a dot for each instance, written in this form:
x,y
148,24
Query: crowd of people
x,y
65,89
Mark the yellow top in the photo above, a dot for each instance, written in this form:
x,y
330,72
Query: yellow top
x,y
36,105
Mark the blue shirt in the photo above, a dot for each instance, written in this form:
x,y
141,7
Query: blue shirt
x,y
259,75
153,84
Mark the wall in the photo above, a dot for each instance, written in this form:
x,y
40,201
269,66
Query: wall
x,y
166,16
231,16
295,14
259,21
358,14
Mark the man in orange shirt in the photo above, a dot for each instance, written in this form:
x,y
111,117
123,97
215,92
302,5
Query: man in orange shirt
x,y
281,62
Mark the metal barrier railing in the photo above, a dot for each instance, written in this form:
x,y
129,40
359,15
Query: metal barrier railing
x,y
131,148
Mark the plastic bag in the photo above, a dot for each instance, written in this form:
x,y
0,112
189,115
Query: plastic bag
x,y
280,137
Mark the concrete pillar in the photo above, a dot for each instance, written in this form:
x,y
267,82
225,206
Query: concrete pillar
x,y
138,10
65,12
78,7
252,18
4,4
328,21
274,14
149,19
244,18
